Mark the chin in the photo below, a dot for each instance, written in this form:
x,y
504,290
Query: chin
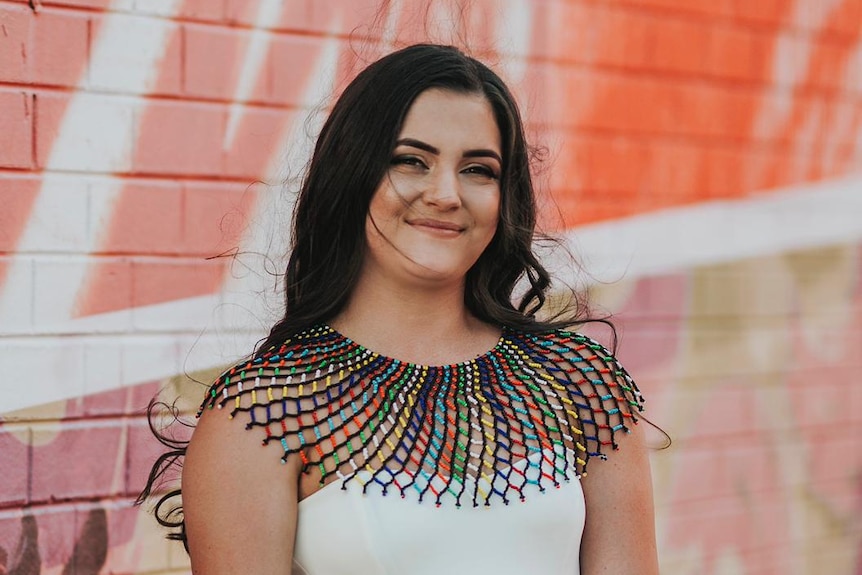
x,y
435,269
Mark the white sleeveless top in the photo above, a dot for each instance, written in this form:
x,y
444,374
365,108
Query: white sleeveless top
x,y
343,531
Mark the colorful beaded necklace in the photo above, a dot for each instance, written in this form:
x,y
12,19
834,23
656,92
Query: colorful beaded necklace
x,y
530,412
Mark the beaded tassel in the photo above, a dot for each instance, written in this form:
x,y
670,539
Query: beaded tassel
x,y
529,413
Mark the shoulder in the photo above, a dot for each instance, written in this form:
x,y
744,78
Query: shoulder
x,y
604,397
269,376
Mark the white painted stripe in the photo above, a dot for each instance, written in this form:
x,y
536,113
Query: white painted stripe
x,y
268,14
803,217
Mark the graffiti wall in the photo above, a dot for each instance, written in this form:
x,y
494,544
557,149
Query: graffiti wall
x,y
703,160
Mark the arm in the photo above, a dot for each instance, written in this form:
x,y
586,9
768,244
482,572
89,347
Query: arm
x,y
239,500
619,535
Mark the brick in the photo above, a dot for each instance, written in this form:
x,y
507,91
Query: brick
x,y
170,77
47,533
143,450
571,155
16,126
140,396
17,194
697,474
205,45
723,174
826,69
77,460
16,277
137,542
108,288
735,111
209,10
624,39
50,110
679,46
245,11
730,52
61,225
767,12
713,8
96,4
126,49
679,172
164,281
689,108
51,313
625,103
762,52
217,216
822,404
146,219
618,164
91,539
16,23
646,348
257,137
834,456
843,20
60,47
84,149
61,360
113,402
14,452
291,64
181,138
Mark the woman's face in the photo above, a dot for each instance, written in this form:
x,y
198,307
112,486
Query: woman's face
x,y
436,211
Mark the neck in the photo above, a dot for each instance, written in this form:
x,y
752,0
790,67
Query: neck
x,y
426,324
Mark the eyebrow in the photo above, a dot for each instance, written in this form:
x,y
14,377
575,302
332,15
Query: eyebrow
x,y
480,153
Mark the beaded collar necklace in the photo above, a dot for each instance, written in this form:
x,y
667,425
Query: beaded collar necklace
x,y
527,414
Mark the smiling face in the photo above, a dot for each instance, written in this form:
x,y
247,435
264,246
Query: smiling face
x,y
437,208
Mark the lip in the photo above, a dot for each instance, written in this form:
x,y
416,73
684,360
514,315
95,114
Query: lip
x,y
437,226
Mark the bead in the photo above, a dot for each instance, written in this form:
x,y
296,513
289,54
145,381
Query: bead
x,y
529,413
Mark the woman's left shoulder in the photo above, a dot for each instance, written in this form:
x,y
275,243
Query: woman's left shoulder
x,y
605,397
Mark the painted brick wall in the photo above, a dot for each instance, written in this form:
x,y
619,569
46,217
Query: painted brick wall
x,y
704,159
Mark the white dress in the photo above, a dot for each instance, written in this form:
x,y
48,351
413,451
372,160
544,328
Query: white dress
x,y
346,532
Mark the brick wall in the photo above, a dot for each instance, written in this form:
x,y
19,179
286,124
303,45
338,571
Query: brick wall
x,y
703,157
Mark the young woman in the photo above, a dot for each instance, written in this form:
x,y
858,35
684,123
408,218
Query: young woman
x,y
405,416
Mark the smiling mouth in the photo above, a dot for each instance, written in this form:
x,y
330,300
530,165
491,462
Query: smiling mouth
x,y
437,226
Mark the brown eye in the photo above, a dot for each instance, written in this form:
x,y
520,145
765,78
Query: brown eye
x,y
408,161
483,171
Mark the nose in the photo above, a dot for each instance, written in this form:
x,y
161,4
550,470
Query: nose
x,y
443,190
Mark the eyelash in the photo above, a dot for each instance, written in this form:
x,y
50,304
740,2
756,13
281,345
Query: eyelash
x,y
407,161
474,169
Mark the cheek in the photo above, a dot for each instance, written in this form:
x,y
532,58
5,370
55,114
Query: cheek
x,y
386,204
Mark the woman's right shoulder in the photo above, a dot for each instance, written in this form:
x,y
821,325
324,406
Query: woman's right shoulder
x,y
239,499
262,395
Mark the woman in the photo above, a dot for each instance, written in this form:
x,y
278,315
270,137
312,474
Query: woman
x,y
413,419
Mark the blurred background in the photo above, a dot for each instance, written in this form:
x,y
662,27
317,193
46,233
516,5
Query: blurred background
x,y
701,158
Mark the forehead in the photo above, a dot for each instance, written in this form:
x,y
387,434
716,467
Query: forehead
x,y
445,118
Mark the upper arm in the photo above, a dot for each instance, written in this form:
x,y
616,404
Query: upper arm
x,y
619,535
239,500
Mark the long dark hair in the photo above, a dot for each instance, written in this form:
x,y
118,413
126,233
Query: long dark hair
x,y
350,159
